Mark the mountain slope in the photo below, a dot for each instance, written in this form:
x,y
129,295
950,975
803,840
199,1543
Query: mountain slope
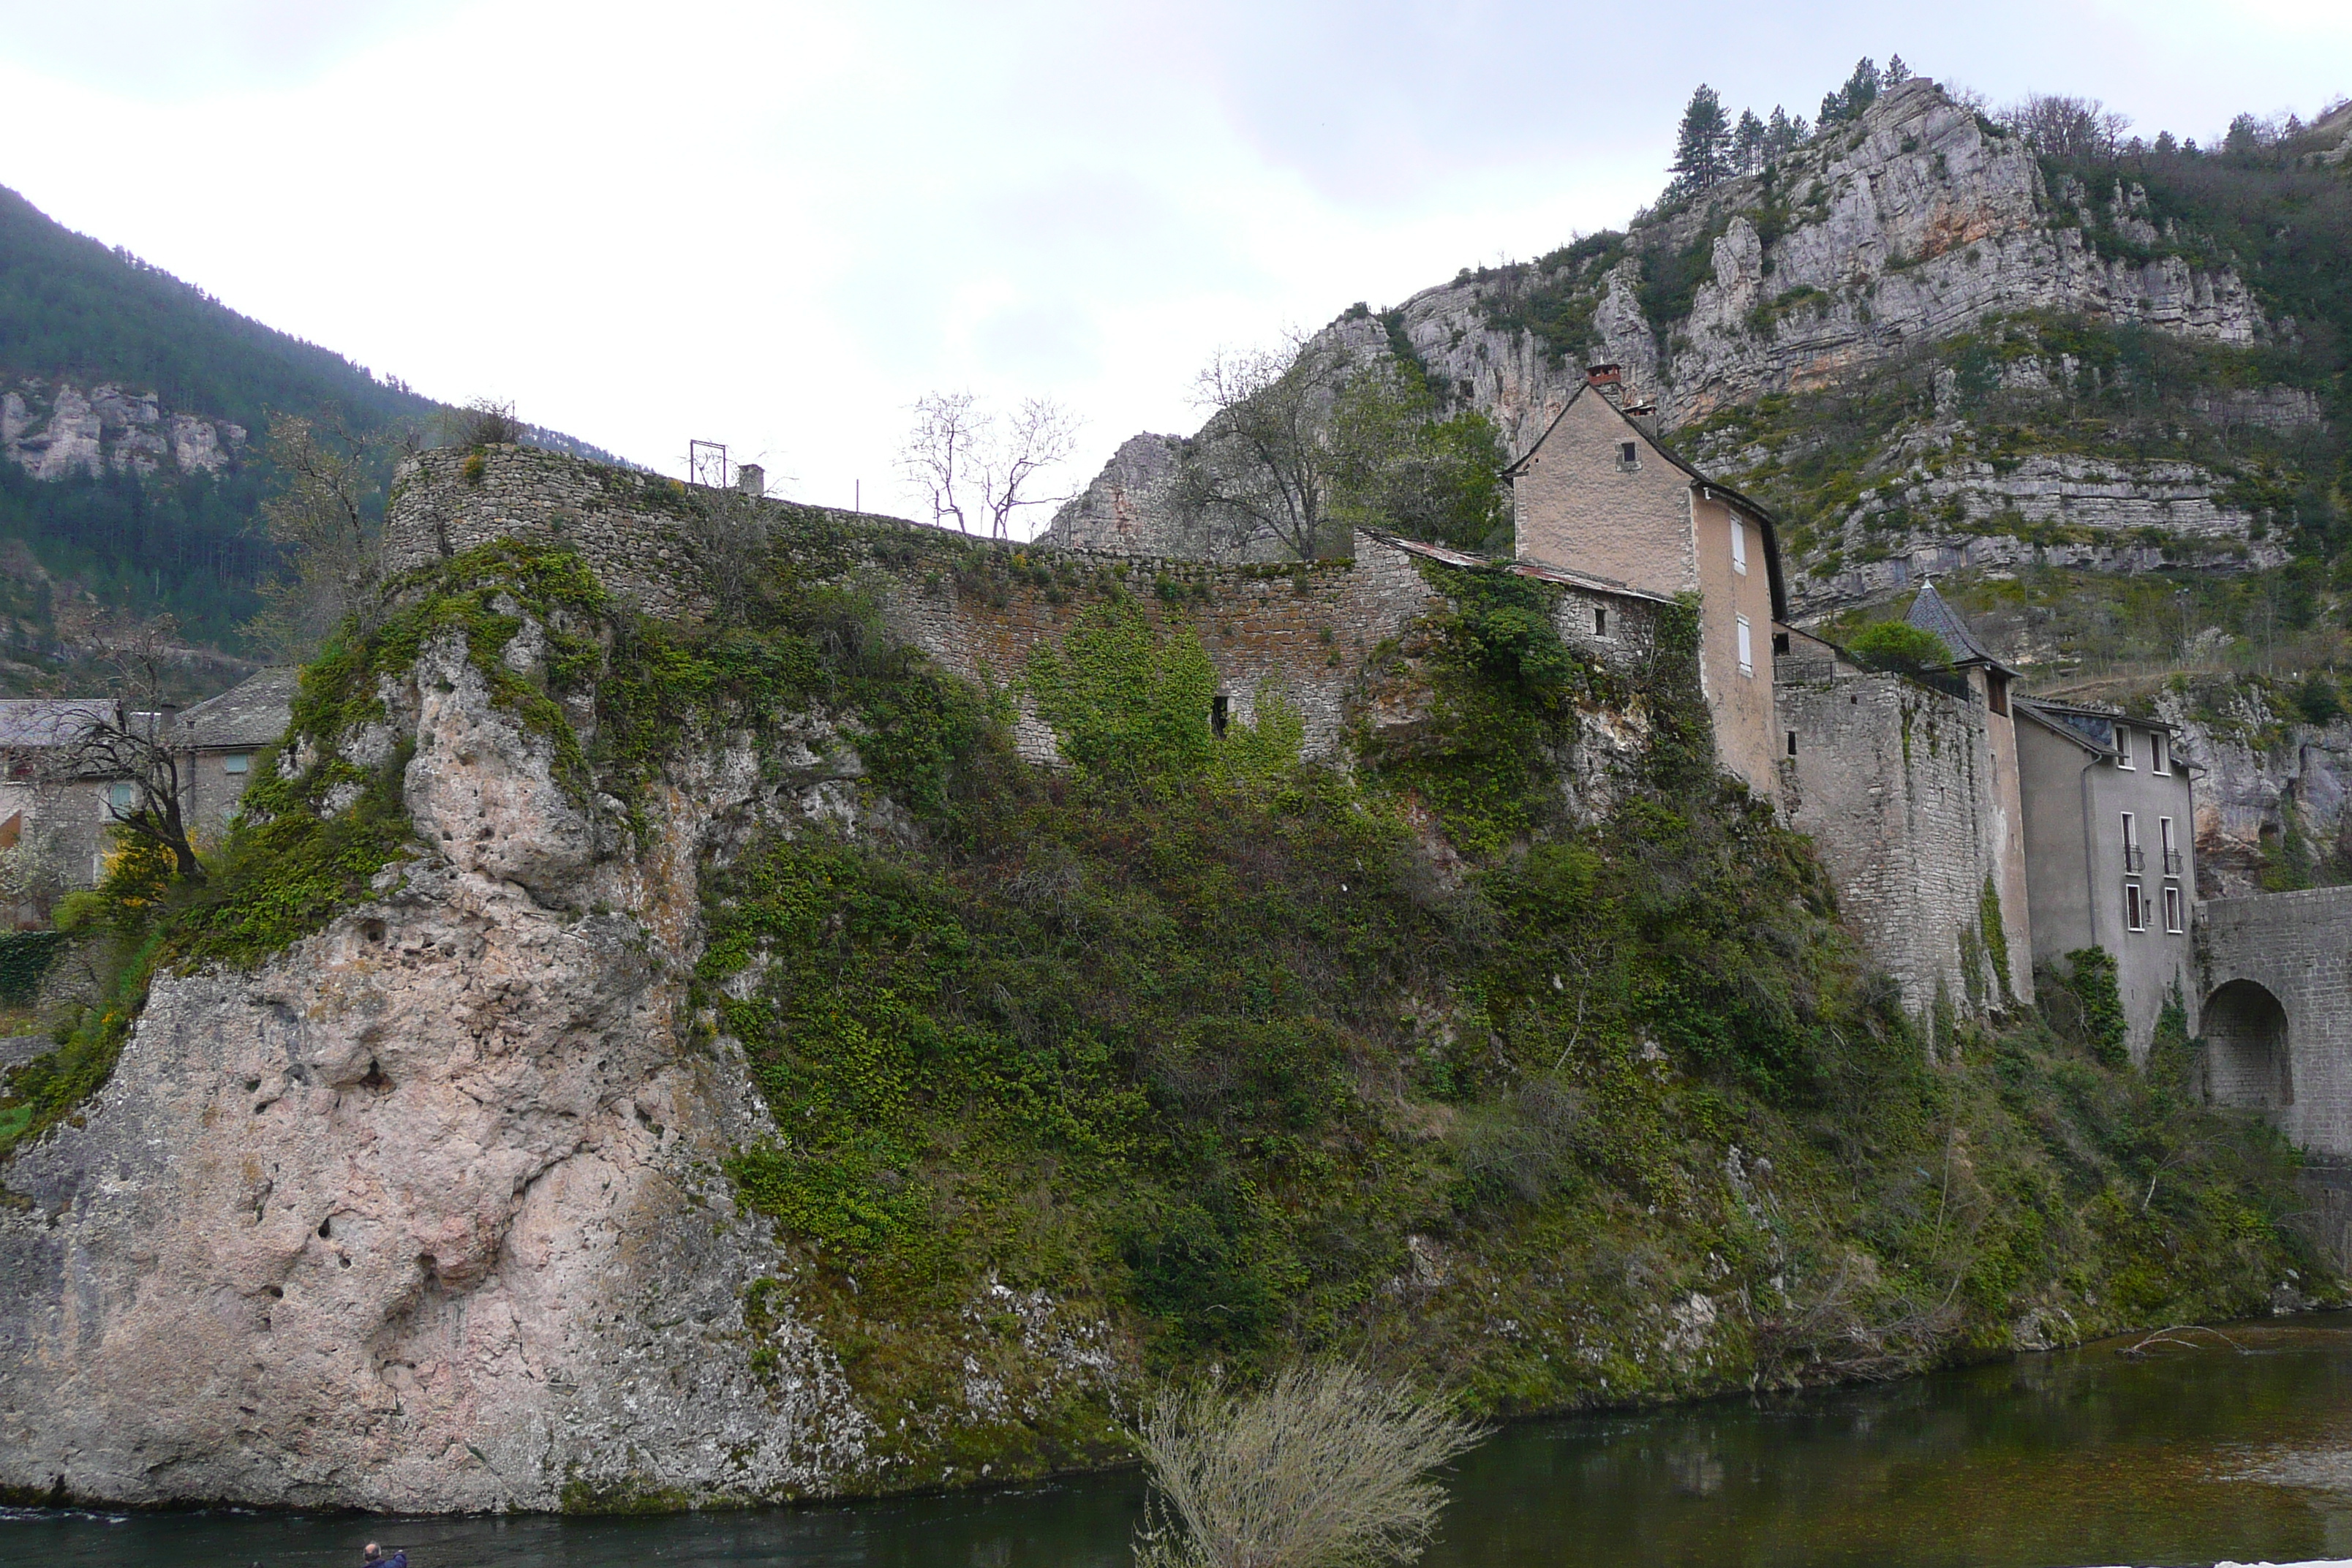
x,y
132,411
73,309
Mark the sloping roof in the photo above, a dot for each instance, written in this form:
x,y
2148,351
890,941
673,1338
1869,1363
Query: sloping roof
x,y
1700,482
254,712
2092,730
1448,555
50,721
1929,613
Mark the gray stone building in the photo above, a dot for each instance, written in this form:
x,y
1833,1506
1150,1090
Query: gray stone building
x,y
2110,851
223,737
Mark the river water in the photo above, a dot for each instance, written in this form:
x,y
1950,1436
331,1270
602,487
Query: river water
x,y
2237,1449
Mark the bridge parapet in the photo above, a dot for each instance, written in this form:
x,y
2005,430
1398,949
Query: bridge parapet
x,y
2275,1006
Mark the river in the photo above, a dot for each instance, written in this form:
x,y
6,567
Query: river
x,y
2239,1449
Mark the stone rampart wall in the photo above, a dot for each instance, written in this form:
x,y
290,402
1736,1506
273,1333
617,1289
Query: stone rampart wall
x,y
1895,781
1303,631
635,529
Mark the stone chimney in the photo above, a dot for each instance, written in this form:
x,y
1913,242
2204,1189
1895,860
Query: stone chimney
x,y
1604,379
1645,416
752,480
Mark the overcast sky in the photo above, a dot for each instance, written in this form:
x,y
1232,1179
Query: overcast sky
x,y
777,225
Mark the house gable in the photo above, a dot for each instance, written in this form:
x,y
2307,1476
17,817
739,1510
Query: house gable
x,y
1579,505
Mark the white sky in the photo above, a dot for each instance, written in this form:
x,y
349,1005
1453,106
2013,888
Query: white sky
x,y
777,225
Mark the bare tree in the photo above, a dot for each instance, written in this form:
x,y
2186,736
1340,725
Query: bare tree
x,y
132,749
1325,1466
1265,464
318,519
2078,130
484,422
972,465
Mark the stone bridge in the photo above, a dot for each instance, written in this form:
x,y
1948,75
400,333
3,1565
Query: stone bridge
x,y
2274,1005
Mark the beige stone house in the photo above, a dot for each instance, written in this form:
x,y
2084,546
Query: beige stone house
x,y
1598,496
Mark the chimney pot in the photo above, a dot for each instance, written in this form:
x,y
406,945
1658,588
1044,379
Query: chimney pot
x,y
752,480
1601,374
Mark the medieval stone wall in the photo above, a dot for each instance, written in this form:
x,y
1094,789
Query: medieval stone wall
x,y
635,529
1894,781
1304,632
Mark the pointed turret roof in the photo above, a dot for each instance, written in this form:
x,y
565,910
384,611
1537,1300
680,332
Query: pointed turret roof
x,y
1929,613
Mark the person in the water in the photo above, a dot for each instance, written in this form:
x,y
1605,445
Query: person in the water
x,y
376,1559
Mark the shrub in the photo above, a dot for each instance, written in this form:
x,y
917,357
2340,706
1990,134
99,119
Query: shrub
x,y
1324,1466
1899,647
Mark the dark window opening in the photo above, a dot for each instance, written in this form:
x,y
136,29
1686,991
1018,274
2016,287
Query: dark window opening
x,y
1996,692
1219,710
1792,743
1601,620
1629,455
1780,642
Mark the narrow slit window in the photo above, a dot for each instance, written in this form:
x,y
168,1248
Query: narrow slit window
x,y
2135,907
1601,620
1747,646
2172,912
1219,714
1739,547
1792,743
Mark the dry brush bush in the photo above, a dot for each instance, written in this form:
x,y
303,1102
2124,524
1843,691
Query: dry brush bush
x,y
1325,1467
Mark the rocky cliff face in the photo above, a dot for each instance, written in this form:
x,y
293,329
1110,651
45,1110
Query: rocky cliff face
x,y
427,1210
1870,259
422,1214
53,431
1914,224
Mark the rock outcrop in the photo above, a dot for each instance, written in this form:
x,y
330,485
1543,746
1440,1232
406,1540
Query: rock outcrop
x,y
424,1212
57,431
1851,257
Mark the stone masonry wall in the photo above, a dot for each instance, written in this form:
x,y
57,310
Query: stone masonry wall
x,y
1302,631
635,529
2298,947
1895,781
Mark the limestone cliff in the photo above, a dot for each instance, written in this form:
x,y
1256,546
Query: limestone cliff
x,y
56,430
422,1213
1910,272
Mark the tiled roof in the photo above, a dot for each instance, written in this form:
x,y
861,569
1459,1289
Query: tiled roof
x,y
254,712
50,721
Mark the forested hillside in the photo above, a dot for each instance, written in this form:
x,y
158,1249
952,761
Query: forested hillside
x,y
133,413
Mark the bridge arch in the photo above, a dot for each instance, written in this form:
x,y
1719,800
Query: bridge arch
x,y
2249,1061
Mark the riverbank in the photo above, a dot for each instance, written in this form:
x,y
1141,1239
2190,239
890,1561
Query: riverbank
x,y
2238,1453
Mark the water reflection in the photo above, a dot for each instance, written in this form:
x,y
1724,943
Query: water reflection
x,y
2184,1457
